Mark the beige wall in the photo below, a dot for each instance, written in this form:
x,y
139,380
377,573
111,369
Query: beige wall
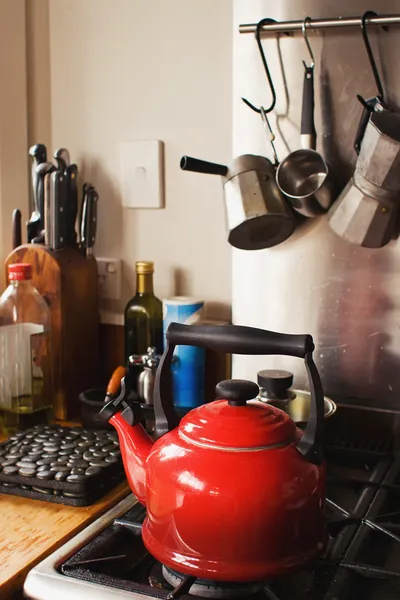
x,y
13,120
149,69
38,72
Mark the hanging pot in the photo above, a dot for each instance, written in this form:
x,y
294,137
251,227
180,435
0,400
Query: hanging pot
x,y
257,215
303,176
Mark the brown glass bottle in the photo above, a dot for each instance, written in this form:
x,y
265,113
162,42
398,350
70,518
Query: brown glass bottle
x,y
143,315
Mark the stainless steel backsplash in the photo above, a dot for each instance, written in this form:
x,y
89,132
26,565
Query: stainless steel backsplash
x,y
347,297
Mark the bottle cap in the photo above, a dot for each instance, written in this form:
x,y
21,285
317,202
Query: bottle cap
x,y
143,267
19,272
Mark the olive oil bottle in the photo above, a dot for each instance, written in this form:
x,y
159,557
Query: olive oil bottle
x,y
143,316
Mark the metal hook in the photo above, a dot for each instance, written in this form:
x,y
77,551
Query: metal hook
x,y
304,30
264,61
368,14
270,133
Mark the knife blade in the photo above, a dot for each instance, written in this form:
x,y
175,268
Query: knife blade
x,y
42,171
34,226
71,173
89,221
57,204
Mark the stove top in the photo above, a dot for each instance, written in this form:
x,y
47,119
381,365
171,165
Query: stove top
x,y
109,561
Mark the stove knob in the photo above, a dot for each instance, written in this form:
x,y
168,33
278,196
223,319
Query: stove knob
x,y
275,383
236,391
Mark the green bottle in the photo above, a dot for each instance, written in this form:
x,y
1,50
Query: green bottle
x,y
143,315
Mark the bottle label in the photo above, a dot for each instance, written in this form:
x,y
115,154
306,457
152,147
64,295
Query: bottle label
x,y
24,366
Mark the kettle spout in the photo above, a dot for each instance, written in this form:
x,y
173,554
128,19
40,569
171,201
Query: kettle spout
x,y
135,446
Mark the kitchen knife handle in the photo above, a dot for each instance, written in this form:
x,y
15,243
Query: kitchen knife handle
x,y
16,228
72,203
41,171
48,226
237,339
89,220
58,195
188,163
308,135
62,157
38,154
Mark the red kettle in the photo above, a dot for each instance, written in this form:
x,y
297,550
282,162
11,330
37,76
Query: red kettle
x,y
234,491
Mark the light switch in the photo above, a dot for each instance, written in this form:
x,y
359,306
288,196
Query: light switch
x,y
142,174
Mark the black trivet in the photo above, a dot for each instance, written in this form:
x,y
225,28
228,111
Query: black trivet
x,y
67,465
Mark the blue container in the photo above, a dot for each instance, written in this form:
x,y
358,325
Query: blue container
x,y
188,362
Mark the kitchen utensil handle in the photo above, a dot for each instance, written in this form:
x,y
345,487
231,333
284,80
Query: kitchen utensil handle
x,y
91,221
237,339
310,444
188,163
63,154
38,153
58,189
308,135
115,382
72,203
16,228
368,108
40,195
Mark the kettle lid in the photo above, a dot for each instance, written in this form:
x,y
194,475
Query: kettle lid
x,y
232,423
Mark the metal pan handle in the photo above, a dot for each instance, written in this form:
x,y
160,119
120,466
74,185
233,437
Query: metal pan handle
x,y
188,163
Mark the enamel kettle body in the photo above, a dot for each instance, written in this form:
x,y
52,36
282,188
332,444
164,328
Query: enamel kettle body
x,y
234,492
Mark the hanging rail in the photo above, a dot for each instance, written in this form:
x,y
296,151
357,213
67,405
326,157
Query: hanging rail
x,y
289,26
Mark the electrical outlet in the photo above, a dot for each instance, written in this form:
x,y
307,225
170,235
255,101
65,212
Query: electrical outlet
x,y
109,273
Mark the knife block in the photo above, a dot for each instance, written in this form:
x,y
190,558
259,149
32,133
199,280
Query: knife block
x,y
68,282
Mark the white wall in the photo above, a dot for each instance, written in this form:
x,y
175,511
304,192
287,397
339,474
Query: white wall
x,y
148,69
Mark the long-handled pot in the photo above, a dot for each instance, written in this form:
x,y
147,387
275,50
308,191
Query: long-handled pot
x,y
257,215
304,177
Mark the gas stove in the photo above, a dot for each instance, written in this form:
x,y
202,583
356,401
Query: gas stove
x,y
108,560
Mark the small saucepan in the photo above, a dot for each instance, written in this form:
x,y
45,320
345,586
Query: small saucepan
x,y
257,214
298,406
303,176
275,389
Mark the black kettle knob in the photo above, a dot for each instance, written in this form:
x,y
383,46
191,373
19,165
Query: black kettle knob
x,y
236,391
276,383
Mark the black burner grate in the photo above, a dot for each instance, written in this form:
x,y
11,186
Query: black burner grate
x,y
360,488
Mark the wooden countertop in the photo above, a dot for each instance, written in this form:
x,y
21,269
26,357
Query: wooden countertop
x,y
31,529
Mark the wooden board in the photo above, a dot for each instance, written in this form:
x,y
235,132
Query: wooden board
x,y
31,529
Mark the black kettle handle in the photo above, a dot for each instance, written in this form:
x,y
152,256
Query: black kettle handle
x,y
237,339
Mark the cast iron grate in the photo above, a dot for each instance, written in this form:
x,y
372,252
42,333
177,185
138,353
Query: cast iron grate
x,y
118,558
